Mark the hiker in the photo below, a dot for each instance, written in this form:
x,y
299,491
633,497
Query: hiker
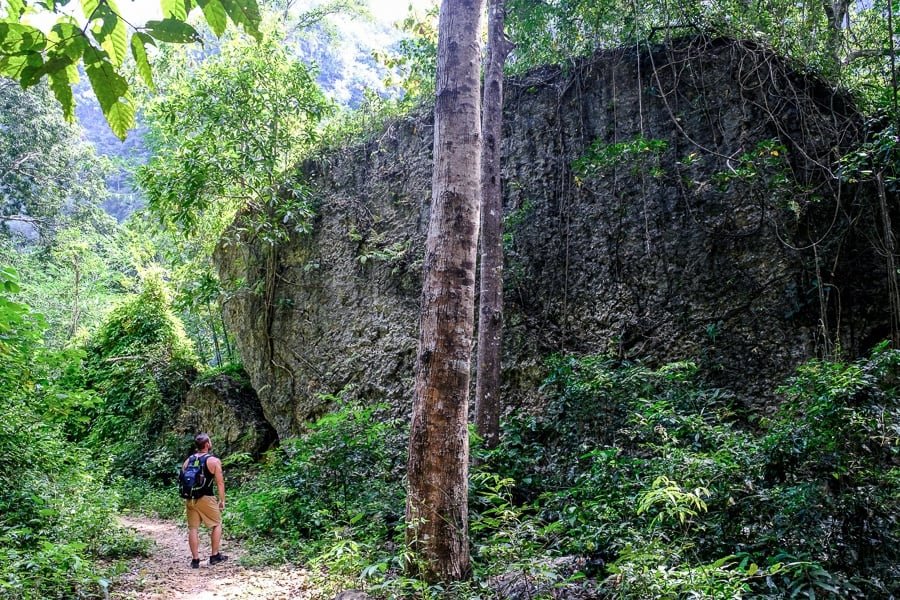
x,y
201,503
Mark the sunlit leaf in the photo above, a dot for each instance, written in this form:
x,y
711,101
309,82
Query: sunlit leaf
x,y
244,13
68,40
14,9
174,9
139,51
13,65
88,7
111,90
172,30
215,15
111,32
61,84
29,77
16,38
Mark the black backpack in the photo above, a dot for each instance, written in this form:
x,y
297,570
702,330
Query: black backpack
x,y
192,480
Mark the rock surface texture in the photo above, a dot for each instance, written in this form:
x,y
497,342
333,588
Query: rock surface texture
x,y
677,203
228,410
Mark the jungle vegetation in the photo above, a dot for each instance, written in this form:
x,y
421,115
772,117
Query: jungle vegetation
x,y
635,481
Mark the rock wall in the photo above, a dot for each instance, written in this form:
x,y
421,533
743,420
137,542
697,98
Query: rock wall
x,y
680,202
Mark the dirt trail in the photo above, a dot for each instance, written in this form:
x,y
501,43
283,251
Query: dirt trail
x,y
166,574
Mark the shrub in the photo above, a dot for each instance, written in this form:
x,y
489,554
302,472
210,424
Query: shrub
x,y
656,479
142,365
333,489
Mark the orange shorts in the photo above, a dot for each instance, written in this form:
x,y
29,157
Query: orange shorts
x,y
206,509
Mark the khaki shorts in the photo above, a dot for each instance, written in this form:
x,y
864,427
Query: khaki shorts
x,y
205,508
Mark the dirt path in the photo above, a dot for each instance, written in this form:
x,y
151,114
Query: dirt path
x,y
166,574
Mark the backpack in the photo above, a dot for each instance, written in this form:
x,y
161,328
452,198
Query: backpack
x,y
192,478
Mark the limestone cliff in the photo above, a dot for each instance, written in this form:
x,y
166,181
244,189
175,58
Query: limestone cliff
x,y
680,202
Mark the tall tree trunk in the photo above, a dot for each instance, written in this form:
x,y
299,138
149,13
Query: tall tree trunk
x,y
76,298
228,349
215,336
836,12
490,313
436,511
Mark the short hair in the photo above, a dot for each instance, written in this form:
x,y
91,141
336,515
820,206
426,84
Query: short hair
x,y
200,440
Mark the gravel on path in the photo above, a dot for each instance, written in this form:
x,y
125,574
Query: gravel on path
x,y
167,575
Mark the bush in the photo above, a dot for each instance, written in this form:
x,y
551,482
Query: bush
x,y
56,520
332,490
656,481
142,365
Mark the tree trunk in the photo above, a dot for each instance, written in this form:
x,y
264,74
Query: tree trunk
x,y
436,511
836,12
76,307
490,313
228,349
215,336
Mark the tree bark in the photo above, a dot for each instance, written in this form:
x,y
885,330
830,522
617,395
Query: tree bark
x,y
76,308
228,349
215,337
836,12
490,313
436,506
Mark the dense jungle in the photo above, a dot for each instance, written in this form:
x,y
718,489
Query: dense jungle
x,y
521,299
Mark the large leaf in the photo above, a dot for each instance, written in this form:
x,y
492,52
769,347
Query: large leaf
x,y
14,9
67,39
244,13
174,9
172,30
139,43
111,32
88,7
61,83
53,65
14,65
16,38
111,90
215,15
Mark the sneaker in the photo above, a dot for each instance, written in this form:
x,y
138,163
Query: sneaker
x,y
217,558
195,563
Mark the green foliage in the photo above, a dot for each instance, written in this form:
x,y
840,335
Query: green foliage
x,y
650,473
101,44
20,337
330,492
73,276
226,135
814,35
670,501
55,519
601,156
878,158
141,363
414,62
410,85
142,497
48,175
228,132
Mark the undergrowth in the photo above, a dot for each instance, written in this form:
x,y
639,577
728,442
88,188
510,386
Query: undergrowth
x,y
632,482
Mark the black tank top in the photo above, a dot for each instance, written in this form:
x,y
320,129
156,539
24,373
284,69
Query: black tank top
x,y
207,489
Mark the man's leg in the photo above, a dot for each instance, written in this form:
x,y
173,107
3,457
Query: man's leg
x,y
194,542
215,537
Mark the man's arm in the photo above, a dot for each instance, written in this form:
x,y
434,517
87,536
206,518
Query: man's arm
x,y
215,467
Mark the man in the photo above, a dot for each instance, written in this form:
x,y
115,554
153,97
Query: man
x,y
206,508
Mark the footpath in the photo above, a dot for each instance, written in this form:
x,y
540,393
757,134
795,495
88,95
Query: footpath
x,y
166,574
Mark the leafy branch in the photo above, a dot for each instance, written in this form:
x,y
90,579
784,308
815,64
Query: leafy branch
x,y
101,45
